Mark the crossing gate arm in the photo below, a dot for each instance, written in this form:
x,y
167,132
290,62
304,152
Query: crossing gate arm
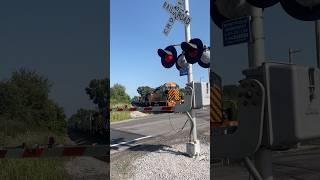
x,y
178,108
63,151
182,108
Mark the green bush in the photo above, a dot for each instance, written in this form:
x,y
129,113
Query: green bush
x,y
25,102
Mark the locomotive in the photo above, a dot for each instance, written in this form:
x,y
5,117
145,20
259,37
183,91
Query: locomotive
x,y
167,94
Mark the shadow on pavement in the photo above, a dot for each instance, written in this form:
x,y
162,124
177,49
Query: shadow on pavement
x,y
156,147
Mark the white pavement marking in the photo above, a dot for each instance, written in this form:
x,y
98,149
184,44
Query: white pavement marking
x,y
138,139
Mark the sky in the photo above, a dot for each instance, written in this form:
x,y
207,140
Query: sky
x,y
67,41
136,35
64,41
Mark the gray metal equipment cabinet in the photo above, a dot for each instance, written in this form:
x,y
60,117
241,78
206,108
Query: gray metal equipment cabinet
x,y
292,109
201,96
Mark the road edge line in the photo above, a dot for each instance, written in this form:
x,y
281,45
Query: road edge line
x,y
134,140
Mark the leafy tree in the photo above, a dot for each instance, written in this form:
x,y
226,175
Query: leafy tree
x,y
80,116
143,90
98,91
119,95
135,98
24,98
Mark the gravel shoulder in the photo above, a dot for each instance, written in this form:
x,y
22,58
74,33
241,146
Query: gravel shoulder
x,y
85,168
137,114
155,158
171,162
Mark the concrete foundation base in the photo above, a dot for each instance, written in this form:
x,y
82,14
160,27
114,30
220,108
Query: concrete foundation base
x,y
193,148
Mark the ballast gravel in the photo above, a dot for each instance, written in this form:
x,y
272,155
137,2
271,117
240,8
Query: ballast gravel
x,y
171,163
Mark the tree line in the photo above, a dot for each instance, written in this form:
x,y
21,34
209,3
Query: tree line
x,y
25,102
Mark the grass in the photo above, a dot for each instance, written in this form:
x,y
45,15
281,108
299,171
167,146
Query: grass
x,y
119,116
113,105
13,134
33,169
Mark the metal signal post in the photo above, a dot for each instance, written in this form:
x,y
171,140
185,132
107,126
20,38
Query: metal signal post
x,y
195,145
188,37
193,51
263,157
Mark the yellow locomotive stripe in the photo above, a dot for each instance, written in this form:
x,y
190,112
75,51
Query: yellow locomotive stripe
x,y
177,95
173,95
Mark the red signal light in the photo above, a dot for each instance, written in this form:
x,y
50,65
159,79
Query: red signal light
x,y
168,58
192,50
193,53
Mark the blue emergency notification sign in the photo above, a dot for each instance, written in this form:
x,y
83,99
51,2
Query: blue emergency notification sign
x,y
236,31
183,71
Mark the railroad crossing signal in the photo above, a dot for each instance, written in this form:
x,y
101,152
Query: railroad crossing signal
x,y
205,58
177,12
168,56
193,51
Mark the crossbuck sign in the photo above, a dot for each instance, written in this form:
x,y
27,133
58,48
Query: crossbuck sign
x,y
176,13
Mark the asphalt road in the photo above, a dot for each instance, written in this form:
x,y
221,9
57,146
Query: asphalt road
x,y
136,131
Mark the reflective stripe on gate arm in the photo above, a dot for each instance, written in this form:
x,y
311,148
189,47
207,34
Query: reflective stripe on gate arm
x,y
96,151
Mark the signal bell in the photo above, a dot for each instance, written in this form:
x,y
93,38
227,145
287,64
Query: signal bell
x,y
205,58
168,56
181,62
